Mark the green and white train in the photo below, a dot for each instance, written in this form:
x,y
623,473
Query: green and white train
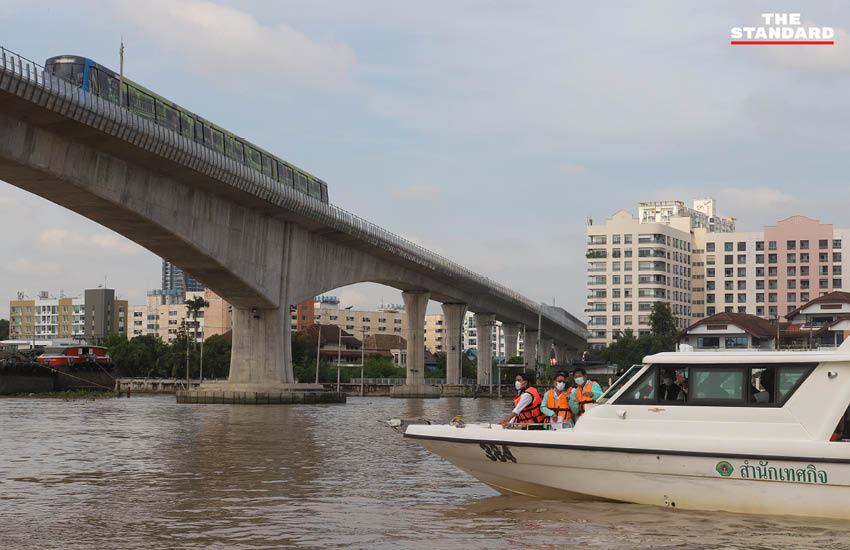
x,y
104,82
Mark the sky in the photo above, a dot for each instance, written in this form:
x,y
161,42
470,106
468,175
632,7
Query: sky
x,y
485,131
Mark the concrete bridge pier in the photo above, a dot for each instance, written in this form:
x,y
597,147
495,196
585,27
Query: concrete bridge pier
x,y
511,331
561,354
529,353
484,323
415,304
453,315
545,351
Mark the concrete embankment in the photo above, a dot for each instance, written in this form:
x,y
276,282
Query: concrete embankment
x,y
38,382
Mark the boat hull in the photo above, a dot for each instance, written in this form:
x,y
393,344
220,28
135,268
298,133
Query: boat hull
x,y
707,481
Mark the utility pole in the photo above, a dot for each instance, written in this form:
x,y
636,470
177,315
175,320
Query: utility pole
x,y
318,349
187,356
121,75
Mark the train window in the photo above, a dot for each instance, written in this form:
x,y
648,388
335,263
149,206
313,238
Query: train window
x,y
110,89
203,134
285,173
324,192
187,125
167,116
301,182
94,83
315,188
141,103
233,148
253,159
126,95
72,72
268,166
217,140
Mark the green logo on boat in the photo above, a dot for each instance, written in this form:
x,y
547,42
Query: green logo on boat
x,y
724,468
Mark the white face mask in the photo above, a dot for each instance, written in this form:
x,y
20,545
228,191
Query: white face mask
x,y
580,380
560,386
518,385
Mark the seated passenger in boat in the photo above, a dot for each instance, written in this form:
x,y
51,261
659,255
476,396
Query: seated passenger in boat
x,y
527,402
840,431
585,392
766,382
556,404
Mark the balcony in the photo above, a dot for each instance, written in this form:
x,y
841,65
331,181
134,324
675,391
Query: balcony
x,y
654,238
596,253
652,266
652,253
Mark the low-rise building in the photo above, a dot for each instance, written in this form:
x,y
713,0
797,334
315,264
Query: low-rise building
x,y
97,314
729,330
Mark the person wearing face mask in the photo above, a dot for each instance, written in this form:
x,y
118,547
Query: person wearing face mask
x,y
555,406
526,404
586,391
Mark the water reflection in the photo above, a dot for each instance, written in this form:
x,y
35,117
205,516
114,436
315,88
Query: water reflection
x,y
148,473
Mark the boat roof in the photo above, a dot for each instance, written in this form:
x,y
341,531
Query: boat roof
x,y
749,357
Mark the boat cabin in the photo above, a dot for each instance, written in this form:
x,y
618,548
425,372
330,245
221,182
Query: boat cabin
x,y
748,393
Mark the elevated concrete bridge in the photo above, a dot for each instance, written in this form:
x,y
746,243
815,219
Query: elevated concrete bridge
x,y
260,245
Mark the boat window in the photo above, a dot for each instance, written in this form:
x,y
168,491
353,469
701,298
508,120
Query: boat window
x,y
621,381
762,386
721,385
674,384
642,391
790,378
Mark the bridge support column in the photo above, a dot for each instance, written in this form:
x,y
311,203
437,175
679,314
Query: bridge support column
x,y
415,304
453,315
484,323
260,365
511,331
545,351
529,350
561,354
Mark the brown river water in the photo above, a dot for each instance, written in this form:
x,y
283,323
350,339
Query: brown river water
x,y
146,472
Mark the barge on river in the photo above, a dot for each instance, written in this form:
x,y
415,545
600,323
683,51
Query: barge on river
x,y
747,431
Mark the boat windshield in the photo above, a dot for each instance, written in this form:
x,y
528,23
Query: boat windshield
x,y
615,387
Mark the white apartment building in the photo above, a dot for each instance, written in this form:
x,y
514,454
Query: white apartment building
x,y
634,262
699,264
164,314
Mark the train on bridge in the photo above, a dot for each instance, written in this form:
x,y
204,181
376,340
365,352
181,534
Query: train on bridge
x,y
107,84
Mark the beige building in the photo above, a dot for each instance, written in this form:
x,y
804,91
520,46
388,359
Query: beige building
x,y
48,318
166,313
634,262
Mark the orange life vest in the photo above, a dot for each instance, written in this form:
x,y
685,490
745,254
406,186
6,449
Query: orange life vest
x,y
561,406
532,413
584,395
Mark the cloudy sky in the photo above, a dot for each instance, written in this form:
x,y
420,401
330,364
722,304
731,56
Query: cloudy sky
x,y
486,131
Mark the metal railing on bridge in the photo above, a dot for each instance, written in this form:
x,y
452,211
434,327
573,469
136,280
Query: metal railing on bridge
x,y
115,120
402,381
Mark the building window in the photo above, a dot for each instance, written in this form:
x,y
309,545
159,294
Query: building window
x,y
792,258
791,245
836,283
727,259
759,258
804,296
823,257
759,284
709,272
615,239
728,298
742,298
727,247
736,341
804,283
823,283
760,297
742,272
836,243
771,245
823,244
742,285
627,239
759,245
791,283
742,258
771,258
742,246
792,297
709,247
771,297
804,245
836,256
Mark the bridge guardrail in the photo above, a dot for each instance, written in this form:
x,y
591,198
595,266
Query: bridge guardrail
x,y
113,119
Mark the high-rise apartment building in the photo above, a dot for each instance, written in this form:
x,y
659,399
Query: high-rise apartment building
x,y
696,261
174,278
165,314
105,316
634,262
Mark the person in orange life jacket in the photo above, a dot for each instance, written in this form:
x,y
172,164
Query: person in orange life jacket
x,y
555,405
526,404
586,391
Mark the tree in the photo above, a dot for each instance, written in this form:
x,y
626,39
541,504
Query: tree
x,y
4,329
193,309
663,325
217,356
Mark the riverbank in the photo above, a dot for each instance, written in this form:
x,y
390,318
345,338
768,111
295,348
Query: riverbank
x,y
67,395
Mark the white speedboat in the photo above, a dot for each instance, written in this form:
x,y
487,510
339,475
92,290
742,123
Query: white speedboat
x,y
746,431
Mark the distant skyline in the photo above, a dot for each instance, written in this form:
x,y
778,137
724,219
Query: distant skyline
x,y
487,133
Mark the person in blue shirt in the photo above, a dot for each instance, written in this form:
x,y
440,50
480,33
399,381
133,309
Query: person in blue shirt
x,y
555,404
586,391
